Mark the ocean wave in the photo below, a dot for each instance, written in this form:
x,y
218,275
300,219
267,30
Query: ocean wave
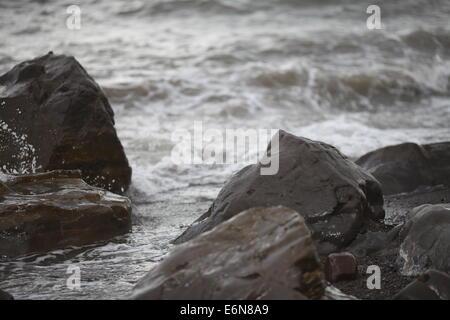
x,y
431,41
369,90
162,7
159,7
279,78
355,135
133,92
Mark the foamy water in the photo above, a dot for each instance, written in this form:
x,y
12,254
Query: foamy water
x,y
310,69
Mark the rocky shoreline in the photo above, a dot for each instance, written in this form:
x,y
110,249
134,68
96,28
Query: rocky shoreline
x,y
316,226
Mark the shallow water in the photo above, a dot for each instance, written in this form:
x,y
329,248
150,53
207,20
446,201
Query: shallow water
x,y
311,69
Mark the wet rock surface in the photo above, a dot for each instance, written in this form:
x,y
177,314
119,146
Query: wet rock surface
x,y
336,197
432,285
406,167
53,115
46,211
425,240
261,253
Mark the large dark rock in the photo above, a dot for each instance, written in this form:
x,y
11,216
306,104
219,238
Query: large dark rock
x,y
262,253
41,212
425,240
335,196
432,285
54,116
408,166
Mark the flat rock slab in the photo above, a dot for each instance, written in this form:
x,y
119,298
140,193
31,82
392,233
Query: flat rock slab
x,y
53,115
261,253
335,196
41,212
425,240
408,166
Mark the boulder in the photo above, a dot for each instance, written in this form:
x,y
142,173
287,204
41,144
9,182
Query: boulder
x,y
46,211
261,253
425,240
335,196
433,285
408,166
53,115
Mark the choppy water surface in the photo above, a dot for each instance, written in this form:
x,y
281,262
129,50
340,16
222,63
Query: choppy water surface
x,y
309,67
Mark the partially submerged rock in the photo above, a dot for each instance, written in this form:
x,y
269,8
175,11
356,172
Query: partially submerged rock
x,y
408,166
426,240
433,285
41,212
261,253
53,115
335,196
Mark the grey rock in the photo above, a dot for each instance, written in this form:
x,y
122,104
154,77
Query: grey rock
x,y
261,253
53,116
408,166
335,196
425,240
